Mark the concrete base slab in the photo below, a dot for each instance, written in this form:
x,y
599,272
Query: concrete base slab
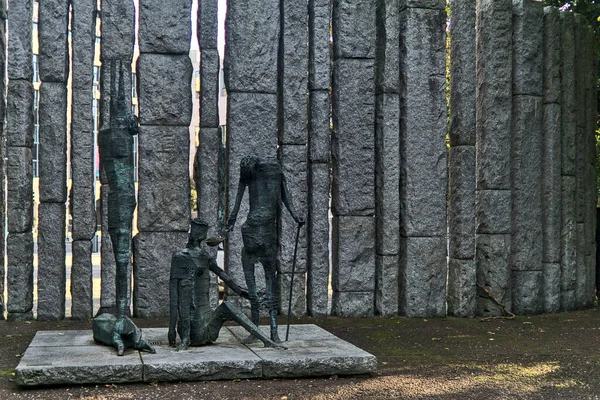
x,y
72,357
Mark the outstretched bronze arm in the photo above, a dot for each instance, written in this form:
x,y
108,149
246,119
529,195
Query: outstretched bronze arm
x,y
227,279
286,198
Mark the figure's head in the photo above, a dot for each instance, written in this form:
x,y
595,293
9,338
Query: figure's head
x,y
248,168
199,229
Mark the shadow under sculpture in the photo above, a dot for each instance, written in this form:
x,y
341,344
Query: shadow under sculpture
x,y
113,327
190,311
267,189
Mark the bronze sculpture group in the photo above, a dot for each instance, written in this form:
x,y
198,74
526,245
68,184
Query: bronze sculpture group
x,y
191,315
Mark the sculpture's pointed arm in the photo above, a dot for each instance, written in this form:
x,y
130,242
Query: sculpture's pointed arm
x,y
227,279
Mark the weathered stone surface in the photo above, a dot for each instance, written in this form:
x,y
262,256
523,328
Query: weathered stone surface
x,y
82,291
83,212
353,254
494,97
352,142
294,165
164,179
164,89
528,47
51,274
551,182
527,241
207,178
387,47
118,19
20,42
493,211
319,127
354,29
551,287
423,173
317,281
19,113
552,55
83,35
493,273
298,293
165,26
435,4
581,294
319,69
19,248
461,209
568,103
352,304
53,142
209,99
462,73
387,174
151,266
207,24
386,285
527,291
20,189
423,275
568,253
53,20
462,288
251,53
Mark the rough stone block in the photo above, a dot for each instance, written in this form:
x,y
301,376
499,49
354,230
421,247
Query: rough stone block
x,y
207,24
528,47
208,177
352,143
165,93
294,165
354,29
493,211
388,47
53,142
165,26
319,69
118,21
82,291
551,182
53,20
423,276
164,179
492,253
252,50
353,254
568,234
568,94
83,37
527,291
494,97
51,274
462,73
435,4
461,209
581,295
151,268
352,304
298,294
20,42
209,99
19,113
386,285
317,281
462,288
551,287
19,195
552,55
19,249
319,127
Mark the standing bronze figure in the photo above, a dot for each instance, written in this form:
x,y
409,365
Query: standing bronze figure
x,y
267,189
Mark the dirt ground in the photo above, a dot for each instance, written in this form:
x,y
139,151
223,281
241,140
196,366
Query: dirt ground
x,y
539,357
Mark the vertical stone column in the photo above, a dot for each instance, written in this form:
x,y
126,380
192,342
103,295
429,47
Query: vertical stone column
x,y
293,154
526,155
319,82
568,185
19,142
493,201
165,98
353,157
462,279
3,16
252,29
551,162
53,20
82,199
423,154
387,158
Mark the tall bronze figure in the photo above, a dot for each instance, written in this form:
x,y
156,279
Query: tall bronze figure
x,y
267,189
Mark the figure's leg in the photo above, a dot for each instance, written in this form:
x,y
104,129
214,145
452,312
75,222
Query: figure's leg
x,y
269,264
248,262
118,343
173,308
186,290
